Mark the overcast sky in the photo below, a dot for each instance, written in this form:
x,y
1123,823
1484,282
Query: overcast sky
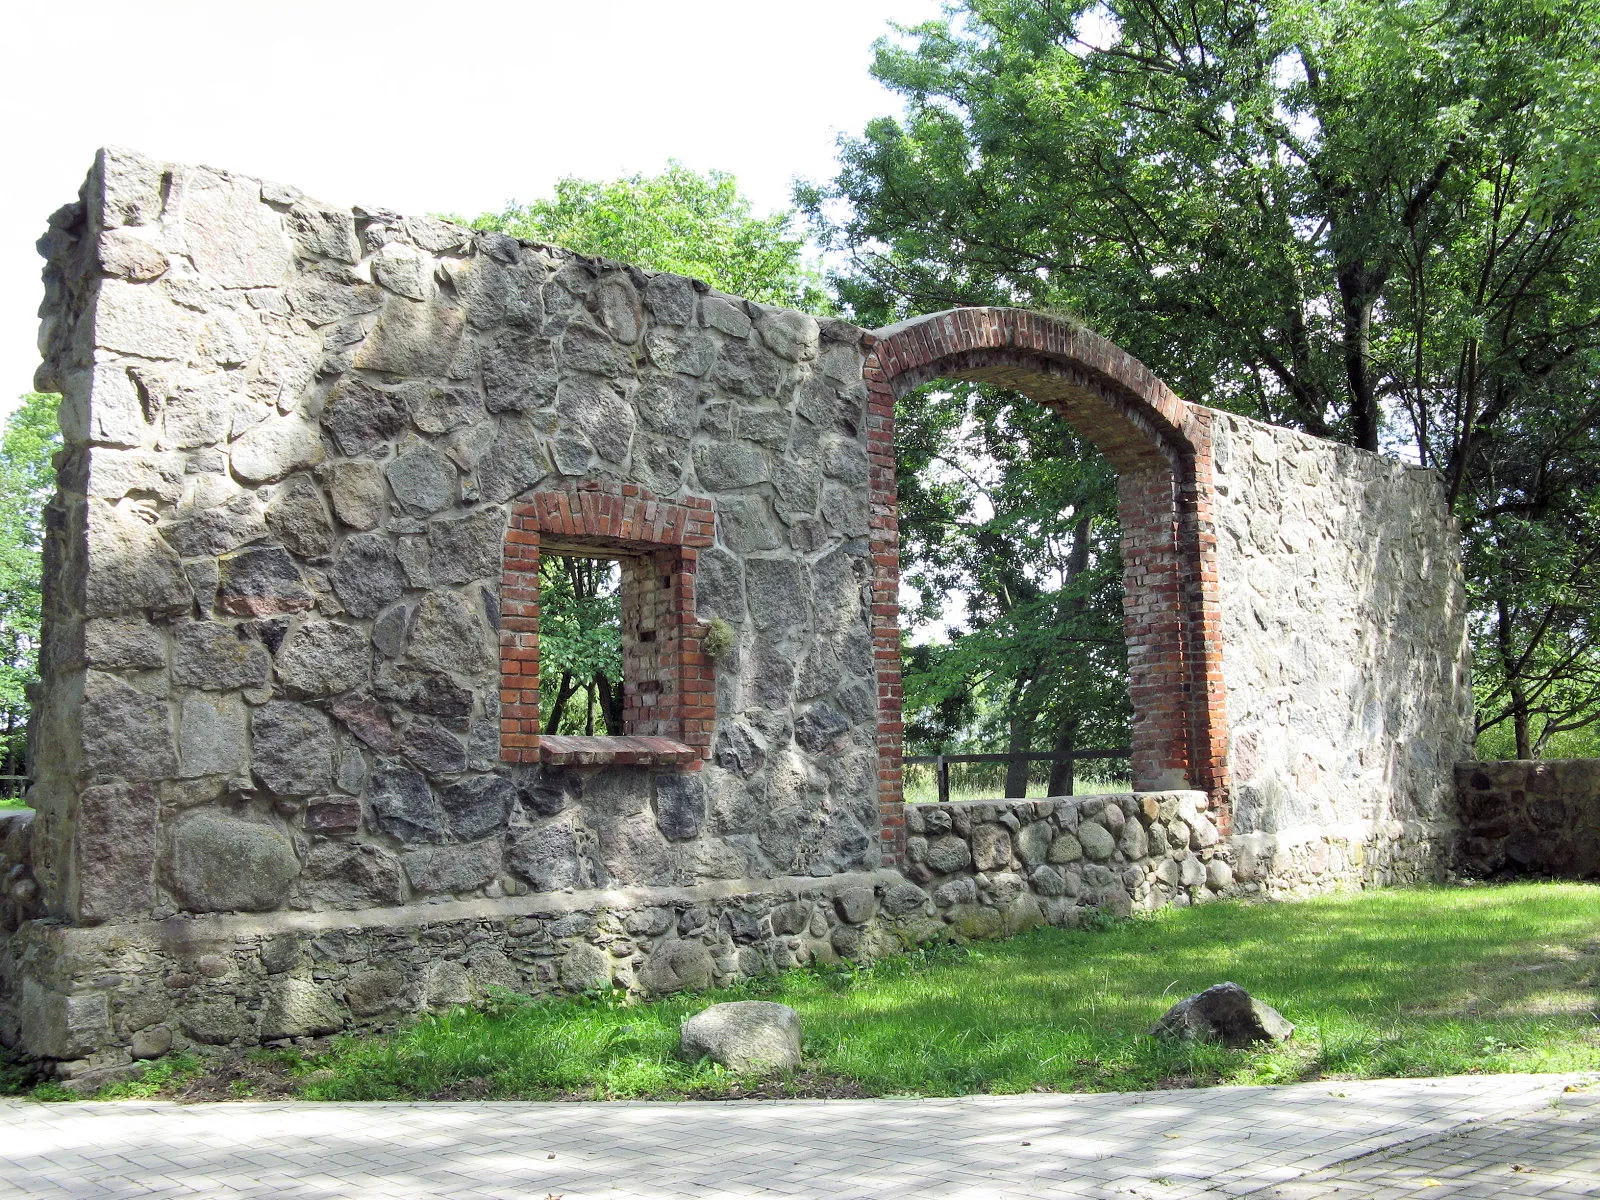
x,y
453,106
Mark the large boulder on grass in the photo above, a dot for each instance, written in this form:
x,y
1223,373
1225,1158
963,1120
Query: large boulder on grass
x,y
745,1036
1223,1013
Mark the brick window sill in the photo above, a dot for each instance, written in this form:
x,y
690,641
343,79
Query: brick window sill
x,y
621,751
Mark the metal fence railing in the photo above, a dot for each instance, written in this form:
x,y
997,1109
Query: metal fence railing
x,y
1071,758
13,786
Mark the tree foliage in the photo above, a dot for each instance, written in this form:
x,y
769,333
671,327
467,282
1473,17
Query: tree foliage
x,y
1003,505
679,221
1375,221
580,645
27,480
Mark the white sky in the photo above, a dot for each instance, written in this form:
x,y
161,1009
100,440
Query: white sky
x,y
455,106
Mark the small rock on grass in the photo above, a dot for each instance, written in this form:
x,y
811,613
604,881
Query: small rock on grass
x,y
1224,1013
744,1036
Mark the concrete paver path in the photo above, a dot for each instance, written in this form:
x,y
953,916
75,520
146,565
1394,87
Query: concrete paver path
x,y
1469,1136
1552,1152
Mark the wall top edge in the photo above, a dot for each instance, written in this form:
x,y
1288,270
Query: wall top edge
x,y
113,160
970,805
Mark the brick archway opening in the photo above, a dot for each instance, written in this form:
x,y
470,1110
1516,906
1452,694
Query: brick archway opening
x,y
1160,449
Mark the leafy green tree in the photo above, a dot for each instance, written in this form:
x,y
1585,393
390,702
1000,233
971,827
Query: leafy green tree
x,y
27,480
1376,221
679,221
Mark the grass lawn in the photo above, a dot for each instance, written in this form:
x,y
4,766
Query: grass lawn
x,y
987,781
1381,983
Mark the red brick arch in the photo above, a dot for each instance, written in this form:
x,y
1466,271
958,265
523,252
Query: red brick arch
x,y
1161,448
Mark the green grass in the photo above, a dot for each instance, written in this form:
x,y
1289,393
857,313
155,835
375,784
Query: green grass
x,y
8,802
160,1076
1382,983
1500,742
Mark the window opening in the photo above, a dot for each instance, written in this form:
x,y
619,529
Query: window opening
x,y
600,658
580,633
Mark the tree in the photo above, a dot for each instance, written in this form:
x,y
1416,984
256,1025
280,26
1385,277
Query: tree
x,y
1375,221
678,221
1003,504
27,480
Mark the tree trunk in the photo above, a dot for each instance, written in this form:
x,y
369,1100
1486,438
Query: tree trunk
x,y
1061,772
1508,662
610,705
563,693
1020,738
1519,719
13,766
1061,782
1358,289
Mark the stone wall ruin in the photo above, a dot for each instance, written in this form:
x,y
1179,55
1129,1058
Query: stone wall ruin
x,y
289,775
1529,817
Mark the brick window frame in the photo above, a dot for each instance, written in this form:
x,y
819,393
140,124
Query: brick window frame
x,y
1161,448
669,684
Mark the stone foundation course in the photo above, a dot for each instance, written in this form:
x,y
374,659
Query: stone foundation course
x,y
99,998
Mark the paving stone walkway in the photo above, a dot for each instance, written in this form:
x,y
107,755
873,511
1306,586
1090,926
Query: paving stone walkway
x,y
1432,1138
1552,1152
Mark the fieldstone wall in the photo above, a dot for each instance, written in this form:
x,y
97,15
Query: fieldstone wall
x,y
1522,817
1345,653
1000,866
293,437
289,773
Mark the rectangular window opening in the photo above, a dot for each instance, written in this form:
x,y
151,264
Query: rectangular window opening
x,y
600,656
581,679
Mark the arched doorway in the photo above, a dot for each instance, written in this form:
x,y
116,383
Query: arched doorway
x,y
1160,447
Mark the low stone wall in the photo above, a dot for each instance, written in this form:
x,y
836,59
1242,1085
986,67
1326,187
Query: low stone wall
x,y
997,867
1522,817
